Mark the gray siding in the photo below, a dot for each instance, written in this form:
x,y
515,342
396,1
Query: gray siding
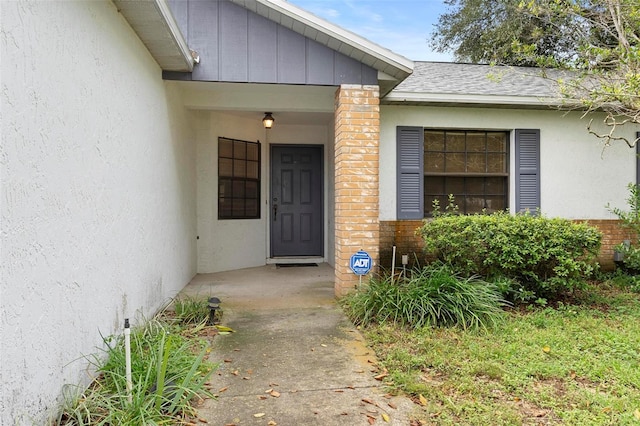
x,y
237,45
637,142
262,50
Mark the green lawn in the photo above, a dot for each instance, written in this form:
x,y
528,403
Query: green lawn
x,y
569,365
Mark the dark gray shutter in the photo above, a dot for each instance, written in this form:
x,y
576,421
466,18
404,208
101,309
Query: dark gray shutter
x,y
410,152
527,170
637,158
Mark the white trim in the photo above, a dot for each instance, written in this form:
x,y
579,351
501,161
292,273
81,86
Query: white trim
x,y
174,29
460,98
156,27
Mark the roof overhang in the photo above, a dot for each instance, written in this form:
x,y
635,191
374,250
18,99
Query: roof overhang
x,y
386,62
155,25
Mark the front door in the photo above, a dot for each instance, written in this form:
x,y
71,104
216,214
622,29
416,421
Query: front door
x,y
296,201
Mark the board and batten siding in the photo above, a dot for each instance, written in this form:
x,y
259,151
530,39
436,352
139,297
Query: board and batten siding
x,y
527,143
237,45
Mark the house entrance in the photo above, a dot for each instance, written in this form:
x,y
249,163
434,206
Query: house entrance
x,y
296,207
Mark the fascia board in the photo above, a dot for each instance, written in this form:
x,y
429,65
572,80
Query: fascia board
x,y
155,25
448,98
176,34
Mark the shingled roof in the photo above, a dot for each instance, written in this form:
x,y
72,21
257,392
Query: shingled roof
x,y
438,83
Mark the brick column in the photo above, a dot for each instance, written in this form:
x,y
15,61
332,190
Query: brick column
x,y
357,133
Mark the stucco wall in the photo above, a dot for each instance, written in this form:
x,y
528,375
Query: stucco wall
x,y
578,177
234,244
98,194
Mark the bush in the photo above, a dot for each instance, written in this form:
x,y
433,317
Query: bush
x,y
432,296
545,257
630,220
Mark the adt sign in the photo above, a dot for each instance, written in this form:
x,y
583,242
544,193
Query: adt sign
x,y
360,263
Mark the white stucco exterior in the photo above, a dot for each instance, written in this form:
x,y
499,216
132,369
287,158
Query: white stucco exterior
x,y
578,178
98,192
234,244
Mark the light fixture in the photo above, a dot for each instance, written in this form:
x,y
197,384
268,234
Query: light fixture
x,y
268,120
214,310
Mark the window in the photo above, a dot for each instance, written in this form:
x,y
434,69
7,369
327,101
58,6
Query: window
x,y
471,165
238,179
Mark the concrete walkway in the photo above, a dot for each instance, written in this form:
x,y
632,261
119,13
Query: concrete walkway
x,y
294,358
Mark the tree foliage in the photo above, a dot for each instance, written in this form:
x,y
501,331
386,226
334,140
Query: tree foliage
x,y
489,31
598,39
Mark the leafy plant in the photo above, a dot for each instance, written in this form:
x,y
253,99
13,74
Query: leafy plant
x,y
544,257
630,219
451,209
168,372
431,296
189,310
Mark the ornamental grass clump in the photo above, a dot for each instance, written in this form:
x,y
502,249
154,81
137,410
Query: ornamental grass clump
x,y
169,374
432,296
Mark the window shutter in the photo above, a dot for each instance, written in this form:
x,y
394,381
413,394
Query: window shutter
x,y
410,181
637,158
527,170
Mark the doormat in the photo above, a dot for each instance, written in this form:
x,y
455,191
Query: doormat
x,y
295,265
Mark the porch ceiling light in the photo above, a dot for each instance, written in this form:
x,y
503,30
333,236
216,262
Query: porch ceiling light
x,y
268,120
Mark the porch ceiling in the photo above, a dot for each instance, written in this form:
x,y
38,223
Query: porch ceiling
x,y
288,117
276,98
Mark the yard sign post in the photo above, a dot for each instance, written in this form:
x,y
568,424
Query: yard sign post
x,y
360,264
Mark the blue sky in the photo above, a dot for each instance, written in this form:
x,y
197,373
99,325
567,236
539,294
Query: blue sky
x,y
402,26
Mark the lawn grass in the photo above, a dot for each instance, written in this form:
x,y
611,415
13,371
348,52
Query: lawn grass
x,y
573,364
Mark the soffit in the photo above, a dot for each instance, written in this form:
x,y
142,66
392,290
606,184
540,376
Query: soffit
x,y
155,25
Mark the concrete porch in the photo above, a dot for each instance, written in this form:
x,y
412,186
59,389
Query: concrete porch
x,y
267,287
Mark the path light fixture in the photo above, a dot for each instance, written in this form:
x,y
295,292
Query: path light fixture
x,y
268,120
214,307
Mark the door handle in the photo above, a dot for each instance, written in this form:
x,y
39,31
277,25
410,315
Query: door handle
x,y
275,212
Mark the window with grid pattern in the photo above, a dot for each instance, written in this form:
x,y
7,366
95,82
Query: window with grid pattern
x,y
238,179
472,165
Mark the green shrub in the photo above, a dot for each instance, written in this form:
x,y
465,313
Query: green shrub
x,y
630,220
432,296
543,257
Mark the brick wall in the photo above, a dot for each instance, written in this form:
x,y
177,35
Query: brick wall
x,y
357,227
612,235
402,234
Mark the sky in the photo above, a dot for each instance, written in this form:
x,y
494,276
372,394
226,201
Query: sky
x,y
402,26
